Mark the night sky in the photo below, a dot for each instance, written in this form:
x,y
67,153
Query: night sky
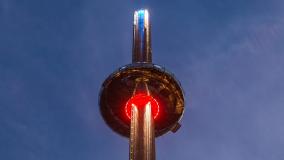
x,y
227,54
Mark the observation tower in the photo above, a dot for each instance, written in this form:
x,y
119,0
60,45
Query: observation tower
x,y
141,100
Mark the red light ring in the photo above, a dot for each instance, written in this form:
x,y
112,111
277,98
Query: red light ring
x,y
140,100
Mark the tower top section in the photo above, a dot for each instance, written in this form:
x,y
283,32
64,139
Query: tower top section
x,y
141,77
141,51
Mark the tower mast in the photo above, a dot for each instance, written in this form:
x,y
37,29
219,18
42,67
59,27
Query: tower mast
x,y
142,136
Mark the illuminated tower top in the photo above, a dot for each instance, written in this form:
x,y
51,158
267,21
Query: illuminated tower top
x,y
141,52
141,77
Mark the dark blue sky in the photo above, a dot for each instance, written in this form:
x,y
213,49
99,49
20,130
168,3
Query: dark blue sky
x,y
228,55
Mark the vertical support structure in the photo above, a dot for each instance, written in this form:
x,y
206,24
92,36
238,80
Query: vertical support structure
x,y
141,51
142,133
142,136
